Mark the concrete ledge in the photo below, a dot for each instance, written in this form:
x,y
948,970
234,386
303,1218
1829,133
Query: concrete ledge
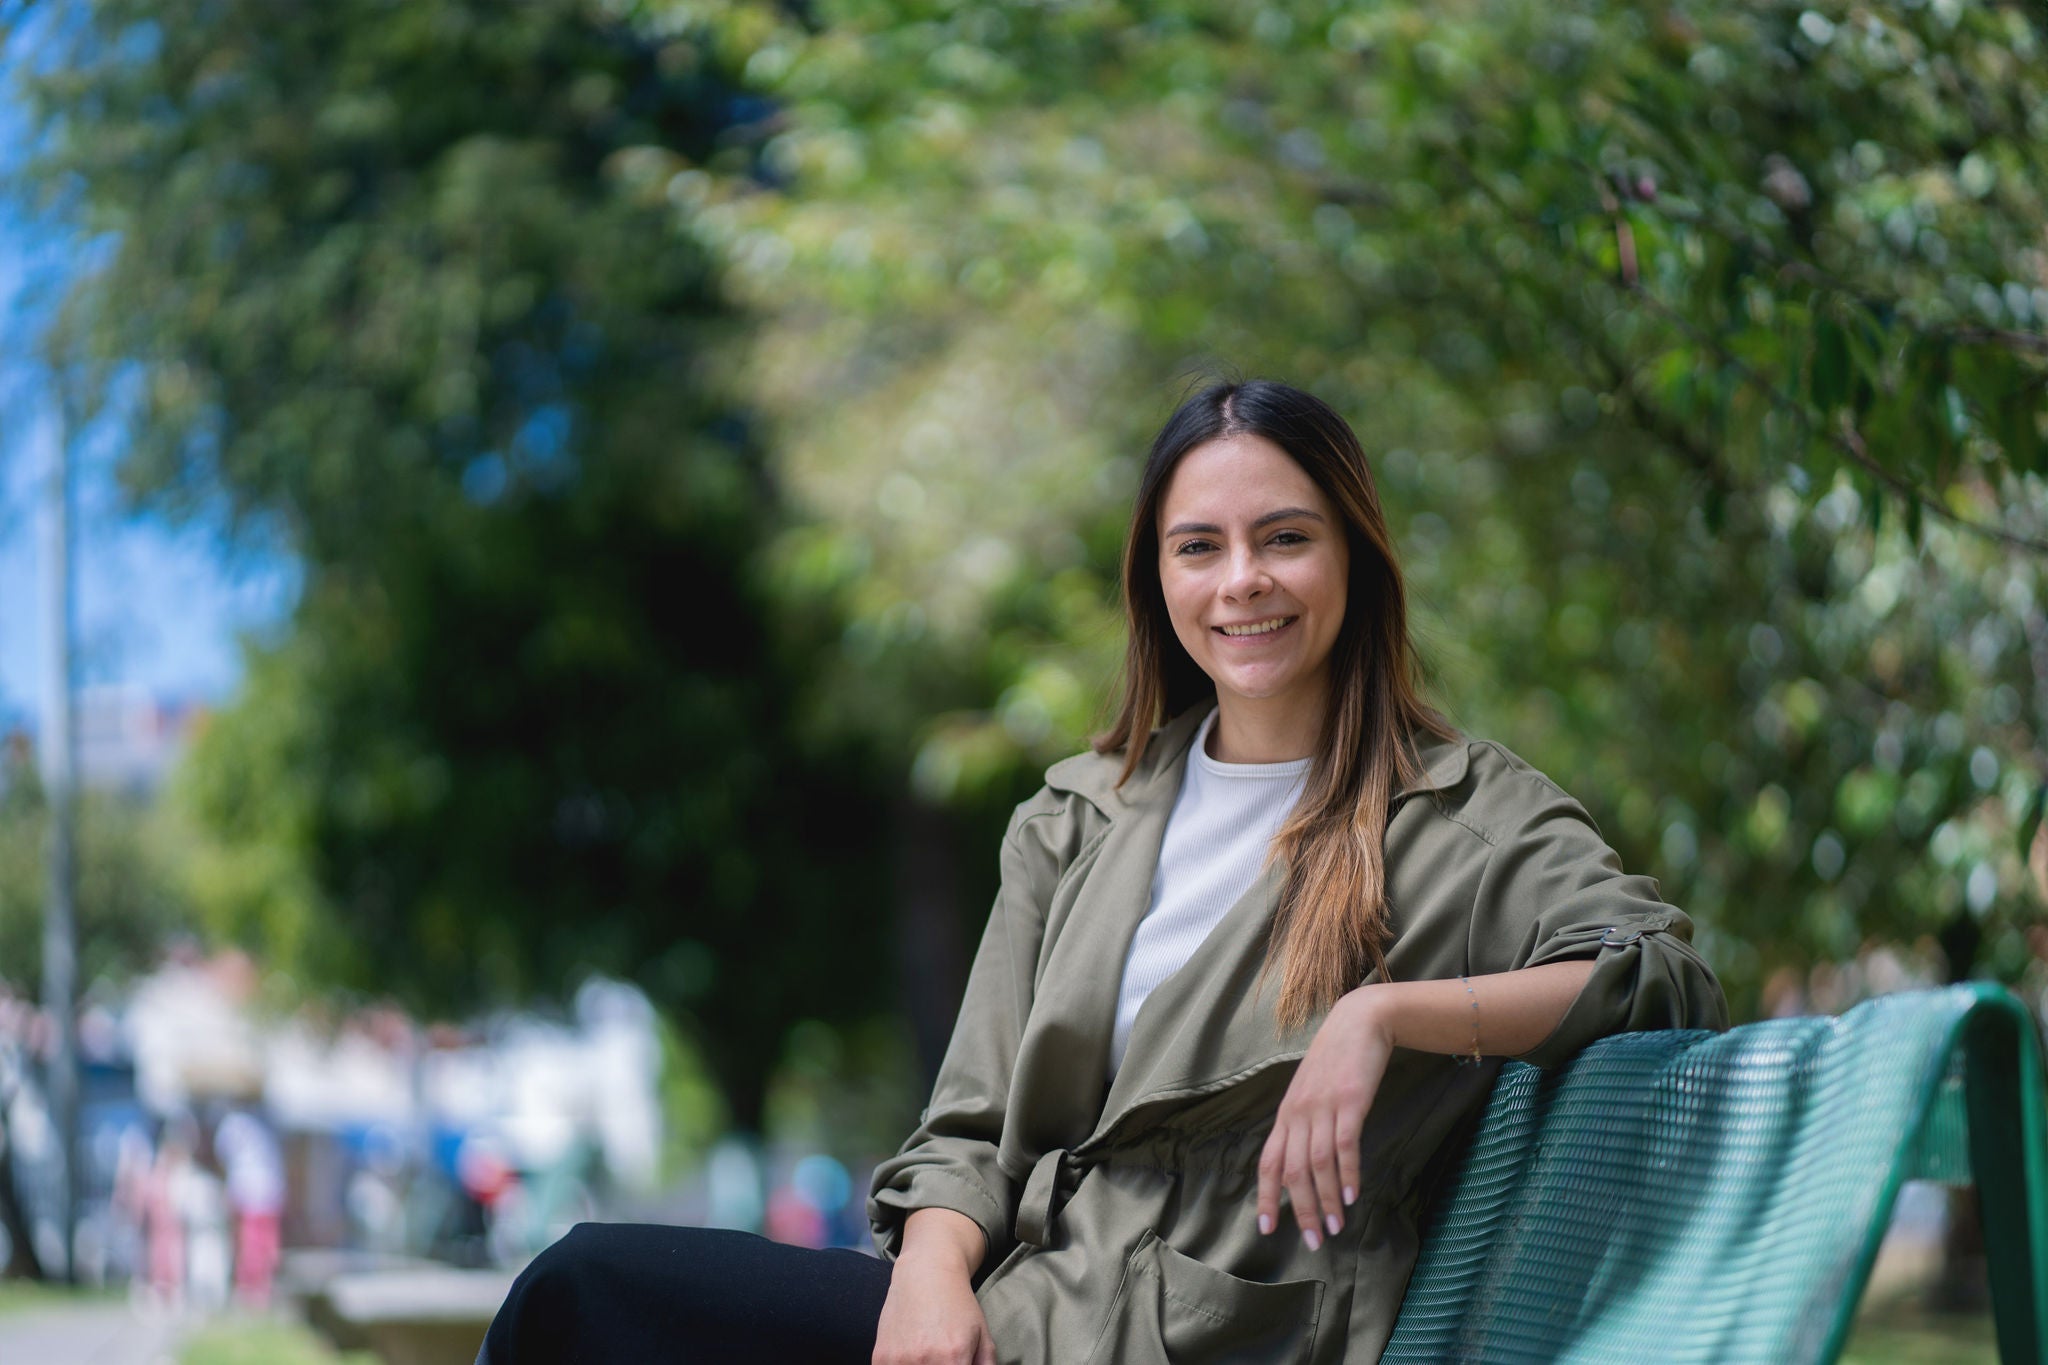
x,y
433,1315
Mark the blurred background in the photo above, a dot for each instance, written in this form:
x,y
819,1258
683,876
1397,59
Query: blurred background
x,y
540,544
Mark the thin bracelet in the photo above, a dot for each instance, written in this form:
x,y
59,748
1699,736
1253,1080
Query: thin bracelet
x,y
1475,1023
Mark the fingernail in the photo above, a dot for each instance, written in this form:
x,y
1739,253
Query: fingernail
x,y
1265,1222
1350,1196
1333,1223
1309,1235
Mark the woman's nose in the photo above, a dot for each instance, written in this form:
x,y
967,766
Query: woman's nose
x,y
1246,578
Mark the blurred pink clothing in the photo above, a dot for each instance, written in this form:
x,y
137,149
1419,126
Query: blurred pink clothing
x,y
257,1249
166,1225
255,1171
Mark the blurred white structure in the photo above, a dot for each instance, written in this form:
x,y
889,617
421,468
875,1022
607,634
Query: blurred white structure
x,y
191,1036
531,1086
318,1082
539,1086
128,739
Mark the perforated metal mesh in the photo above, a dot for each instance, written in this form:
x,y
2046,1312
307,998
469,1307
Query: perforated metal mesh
x,y
1686,1196
1944,1152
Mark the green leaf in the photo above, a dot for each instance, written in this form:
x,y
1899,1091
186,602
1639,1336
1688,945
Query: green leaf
x,y
2020,431
2030,821
1828,372
2004,399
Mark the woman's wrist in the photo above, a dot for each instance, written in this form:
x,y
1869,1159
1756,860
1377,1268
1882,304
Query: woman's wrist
x,y
1423,1016
1502,1014
1376,1010
945,1238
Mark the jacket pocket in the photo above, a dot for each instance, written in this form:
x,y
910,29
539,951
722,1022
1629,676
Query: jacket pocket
x,y
1172,1309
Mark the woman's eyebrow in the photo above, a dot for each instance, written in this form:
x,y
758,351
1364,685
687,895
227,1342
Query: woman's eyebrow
x,y
1287,514
1207,529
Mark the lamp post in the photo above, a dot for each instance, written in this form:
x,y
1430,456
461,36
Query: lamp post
x,y
60,763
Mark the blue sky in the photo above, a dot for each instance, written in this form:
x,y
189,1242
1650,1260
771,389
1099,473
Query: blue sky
x,y
158,605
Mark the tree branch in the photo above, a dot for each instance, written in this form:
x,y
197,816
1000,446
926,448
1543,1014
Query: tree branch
x,y
2033,343
1850,442
1765,387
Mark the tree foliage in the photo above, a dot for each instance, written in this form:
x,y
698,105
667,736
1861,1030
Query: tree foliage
x,y
1700,348
400,283
128,898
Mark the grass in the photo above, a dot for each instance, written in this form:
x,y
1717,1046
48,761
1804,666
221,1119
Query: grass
x,y
231,1340
264,1341
1897,1334
23,1296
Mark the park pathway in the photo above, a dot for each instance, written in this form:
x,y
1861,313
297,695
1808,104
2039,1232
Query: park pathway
x,y
88,1334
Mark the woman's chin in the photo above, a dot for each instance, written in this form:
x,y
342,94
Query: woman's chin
x,y
1259,686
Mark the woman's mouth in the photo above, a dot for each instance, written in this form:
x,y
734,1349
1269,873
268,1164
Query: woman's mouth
x,y
1256,630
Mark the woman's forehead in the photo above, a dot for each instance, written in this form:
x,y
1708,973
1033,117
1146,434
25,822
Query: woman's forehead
x,y
1237,478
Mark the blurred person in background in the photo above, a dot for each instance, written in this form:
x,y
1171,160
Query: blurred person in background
x,y
376,1192
209,1248
794,1219
164,1203
128,1209
1124,1104
254,1163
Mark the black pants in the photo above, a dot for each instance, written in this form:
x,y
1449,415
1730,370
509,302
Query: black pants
x,y
634,1292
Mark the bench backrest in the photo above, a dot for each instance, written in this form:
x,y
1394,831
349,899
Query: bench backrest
x,y
1688,1196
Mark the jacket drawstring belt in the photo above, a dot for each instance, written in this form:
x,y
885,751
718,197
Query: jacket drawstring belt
x,y
1057,1168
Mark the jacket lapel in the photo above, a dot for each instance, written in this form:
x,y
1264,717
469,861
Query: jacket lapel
x,y
1064,1053
1212,1018
1213,1022
1208,1024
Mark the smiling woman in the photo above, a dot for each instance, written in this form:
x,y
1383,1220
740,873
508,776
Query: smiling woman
x,y
1252,567
1124,1106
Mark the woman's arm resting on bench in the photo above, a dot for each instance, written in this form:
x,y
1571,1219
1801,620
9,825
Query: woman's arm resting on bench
x,y
1502,1015
1312,1151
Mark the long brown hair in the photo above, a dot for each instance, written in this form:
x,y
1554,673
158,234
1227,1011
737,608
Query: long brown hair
x,y
1331,925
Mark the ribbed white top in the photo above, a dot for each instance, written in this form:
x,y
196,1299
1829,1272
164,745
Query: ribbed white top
x,y
1223,821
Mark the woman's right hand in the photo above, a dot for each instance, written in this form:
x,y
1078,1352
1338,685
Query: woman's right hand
x,y
931,1316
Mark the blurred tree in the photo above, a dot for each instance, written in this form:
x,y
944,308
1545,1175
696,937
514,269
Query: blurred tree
x,y
1700,347
401,283
129,898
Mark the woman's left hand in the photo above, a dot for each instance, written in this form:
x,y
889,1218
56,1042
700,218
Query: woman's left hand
x,y
1313,1148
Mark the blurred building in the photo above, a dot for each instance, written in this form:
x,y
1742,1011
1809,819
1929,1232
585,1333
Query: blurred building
x,y
372,1106
128,740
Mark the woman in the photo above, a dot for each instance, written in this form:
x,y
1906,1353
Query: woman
x,y
1248,971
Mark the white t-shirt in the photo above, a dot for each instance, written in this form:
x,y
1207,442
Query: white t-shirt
x,y
1216,839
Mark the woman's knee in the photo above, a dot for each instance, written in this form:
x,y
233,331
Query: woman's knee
x,y
538,1319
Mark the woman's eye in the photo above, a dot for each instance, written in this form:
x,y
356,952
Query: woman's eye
x,y
1188,547
1290,538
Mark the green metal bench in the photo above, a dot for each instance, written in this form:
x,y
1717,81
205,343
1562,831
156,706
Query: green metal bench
x,y
1689,1196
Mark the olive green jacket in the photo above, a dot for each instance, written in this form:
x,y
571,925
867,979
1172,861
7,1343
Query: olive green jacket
x,y
1121,1221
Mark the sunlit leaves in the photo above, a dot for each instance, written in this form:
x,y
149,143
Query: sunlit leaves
x,y
1685,339
408,284
1666,327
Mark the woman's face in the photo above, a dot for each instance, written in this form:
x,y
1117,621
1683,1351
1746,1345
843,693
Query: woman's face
x,y
1253,563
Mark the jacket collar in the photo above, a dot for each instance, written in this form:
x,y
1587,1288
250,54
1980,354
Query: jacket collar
x,y
1093,776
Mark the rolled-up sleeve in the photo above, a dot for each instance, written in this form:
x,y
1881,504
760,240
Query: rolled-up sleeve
x,y
949,1160
1553,891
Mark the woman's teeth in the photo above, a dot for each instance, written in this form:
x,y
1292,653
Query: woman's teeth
x,y
1257,627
